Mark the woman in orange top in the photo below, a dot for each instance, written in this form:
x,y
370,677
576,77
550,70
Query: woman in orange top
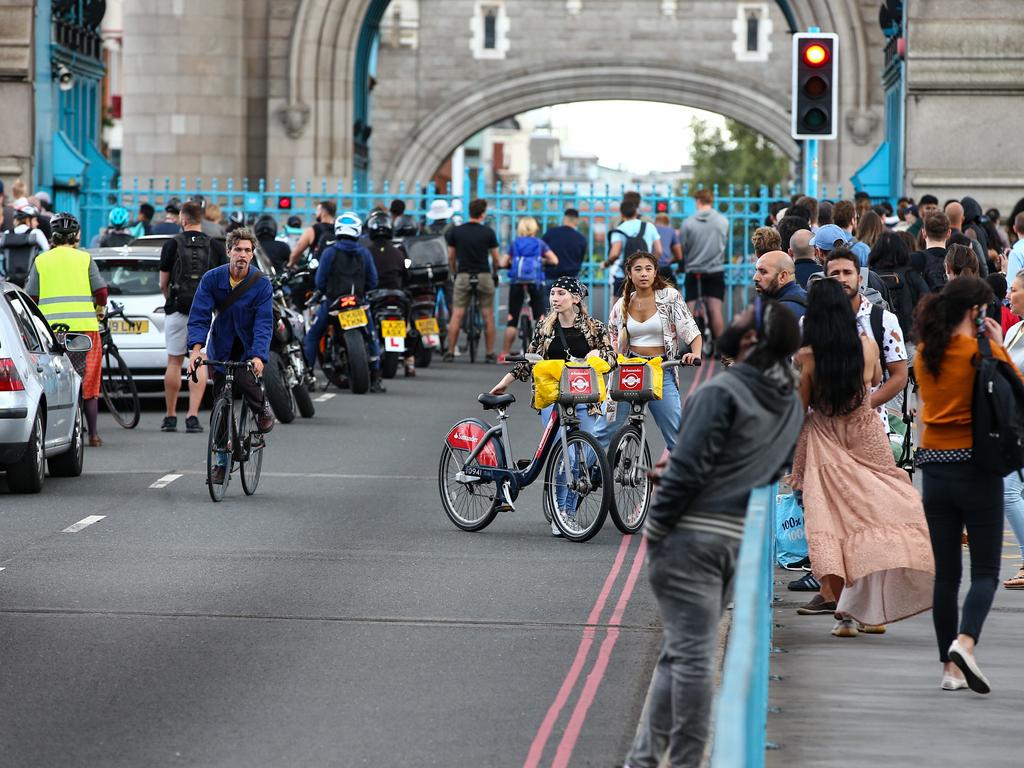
x,y
957,492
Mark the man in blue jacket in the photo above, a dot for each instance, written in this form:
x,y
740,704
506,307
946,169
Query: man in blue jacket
x,y
243,299
775,278
346,268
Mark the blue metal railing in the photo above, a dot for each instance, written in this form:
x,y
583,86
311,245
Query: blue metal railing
x,y
741,716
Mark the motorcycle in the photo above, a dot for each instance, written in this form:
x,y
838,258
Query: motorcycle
x,y
390,309
344,348
287,378
427,266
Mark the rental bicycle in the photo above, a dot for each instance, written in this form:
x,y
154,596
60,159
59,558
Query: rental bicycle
x,y
232,442
478,478
117,385
628,453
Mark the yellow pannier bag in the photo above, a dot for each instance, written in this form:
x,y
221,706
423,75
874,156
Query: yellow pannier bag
x,y
547,377
633,382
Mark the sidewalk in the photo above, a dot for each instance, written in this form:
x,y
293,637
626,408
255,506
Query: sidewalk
x,y
875,699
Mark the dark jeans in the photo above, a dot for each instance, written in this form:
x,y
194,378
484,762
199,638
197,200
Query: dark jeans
x,y
956,495
691,574
246,384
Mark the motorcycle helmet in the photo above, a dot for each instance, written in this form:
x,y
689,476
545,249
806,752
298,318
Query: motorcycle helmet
x,y
265,227
118,217
348,225
405,226
64,224
378,225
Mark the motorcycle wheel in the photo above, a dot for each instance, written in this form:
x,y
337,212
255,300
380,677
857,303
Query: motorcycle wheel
x,y
303,400
358,362
278,394
389,364
423,356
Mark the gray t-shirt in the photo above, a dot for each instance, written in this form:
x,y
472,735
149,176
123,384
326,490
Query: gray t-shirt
x,y
703,237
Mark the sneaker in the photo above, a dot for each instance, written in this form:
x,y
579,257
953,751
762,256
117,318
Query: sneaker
x,y
799,565
491,358
845,628
806,583
967,664
502,358
817,606
192,425
170,424
447,357
554,529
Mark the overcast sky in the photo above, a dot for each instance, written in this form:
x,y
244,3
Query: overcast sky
x,y
639,136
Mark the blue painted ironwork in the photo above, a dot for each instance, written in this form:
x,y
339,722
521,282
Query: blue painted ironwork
x,y
364,72
741,714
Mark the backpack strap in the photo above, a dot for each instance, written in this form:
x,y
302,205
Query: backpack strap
x,y
878,331
238,291
643,228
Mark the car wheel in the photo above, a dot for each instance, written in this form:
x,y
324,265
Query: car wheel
x,y
69,464
26,475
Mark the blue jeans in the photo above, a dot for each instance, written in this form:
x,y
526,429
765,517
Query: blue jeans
x,y
667,414
1013,506
588,423
311,342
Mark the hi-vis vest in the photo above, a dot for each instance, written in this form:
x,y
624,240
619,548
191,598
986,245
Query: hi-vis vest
x,y
65,294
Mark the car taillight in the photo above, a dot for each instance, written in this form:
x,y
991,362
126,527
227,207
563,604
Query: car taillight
x,y
10,380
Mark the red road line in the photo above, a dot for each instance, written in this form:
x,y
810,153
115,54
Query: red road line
x,y
579,713
540,740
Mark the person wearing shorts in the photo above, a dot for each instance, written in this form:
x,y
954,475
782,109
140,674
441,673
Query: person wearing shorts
x,y
703,237
473,250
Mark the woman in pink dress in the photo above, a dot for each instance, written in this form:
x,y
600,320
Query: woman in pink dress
x,y
866,531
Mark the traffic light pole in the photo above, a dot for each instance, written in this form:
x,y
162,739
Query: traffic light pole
x,y
811,167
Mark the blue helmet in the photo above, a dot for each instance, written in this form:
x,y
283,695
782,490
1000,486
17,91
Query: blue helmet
x,y
118,217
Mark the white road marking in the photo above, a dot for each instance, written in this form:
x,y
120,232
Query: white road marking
x,y
3,569
85,522
324,475
325,397
164,481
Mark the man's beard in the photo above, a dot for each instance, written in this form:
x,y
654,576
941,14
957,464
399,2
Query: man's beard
x,y
728,344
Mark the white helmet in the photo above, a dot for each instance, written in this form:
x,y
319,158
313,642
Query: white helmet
x,y
348,225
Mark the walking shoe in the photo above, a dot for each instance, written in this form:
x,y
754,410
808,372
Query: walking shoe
x,y
501,358
377,384
170,424
817,606
490,358
192,425
871,629
967,664
799,565
845,628
265,418
950,683
447,357
217,475
554,529
806,583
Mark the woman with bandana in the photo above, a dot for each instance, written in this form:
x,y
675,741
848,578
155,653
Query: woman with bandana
x,y
567,332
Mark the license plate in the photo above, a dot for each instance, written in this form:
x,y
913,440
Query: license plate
x,y
392,328
394,343
427,325
126,326
352,318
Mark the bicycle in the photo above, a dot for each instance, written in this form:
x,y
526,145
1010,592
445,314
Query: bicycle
x,y
476,480
117,385
232,442
628,453
473,322
702,317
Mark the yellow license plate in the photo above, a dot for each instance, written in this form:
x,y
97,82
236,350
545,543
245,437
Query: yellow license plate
x,y
125,326
427,325
392,329
352,318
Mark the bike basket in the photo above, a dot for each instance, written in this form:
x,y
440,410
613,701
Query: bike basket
x,y
637,380
579,384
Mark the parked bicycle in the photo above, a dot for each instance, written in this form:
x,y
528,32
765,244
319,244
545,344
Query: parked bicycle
x,y
116,383
477,476
628,453
232,442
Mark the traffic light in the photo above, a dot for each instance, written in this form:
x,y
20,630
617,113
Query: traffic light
x,y
815,104
661,206
284,203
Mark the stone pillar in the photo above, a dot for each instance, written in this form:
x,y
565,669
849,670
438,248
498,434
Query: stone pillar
x,y
16,92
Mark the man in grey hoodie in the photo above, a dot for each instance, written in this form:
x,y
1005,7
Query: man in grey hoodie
x,y
740,429
703,237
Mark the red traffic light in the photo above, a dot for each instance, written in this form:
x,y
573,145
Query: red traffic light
x,y
661,206
815,55
285,203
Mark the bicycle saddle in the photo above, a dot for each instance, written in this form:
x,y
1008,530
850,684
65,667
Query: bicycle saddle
x,y
490,402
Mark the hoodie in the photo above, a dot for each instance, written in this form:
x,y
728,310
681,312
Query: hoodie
x,y
703,238
738,432
972,221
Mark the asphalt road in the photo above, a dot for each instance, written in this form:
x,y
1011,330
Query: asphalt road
x,y
336,618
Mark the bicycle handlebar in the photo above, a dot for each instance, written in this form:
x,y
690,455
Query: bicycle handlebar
x,y
228,364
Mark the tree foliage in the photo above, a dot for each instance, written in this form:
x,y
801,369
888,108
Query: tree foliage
x,y
739,155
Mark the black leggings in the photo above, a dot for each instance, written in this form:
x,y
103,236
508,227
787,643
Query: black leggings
x,y
517,293
956,495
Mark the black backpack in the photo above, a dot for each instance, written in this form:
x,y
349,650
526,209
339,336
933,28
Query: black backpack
x,y
997,414
195,257
901,302
323,237
633,243
17,252
934,272
114,239
348,273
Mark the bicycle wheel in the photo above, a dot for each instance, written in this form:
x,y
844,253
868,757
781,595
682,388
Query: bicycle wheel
x,y
525,332
118,388
250,468
580,487
631,494
220,448
472,329
471,506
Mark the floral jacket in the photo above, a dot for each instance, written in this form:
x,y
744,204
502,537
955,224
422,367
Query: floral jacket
x,y
677,324
594,331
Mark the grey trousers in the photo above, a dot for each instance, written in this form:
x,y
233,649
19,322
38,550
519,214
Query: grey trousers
x,y
691,573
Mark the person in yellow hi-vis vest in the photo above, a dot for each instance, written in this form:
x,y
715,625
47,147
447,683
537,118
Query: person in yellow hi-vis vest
x,y
67,286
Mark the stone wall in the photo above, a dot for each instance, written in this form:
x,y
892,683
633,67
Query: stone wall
x,y
17,122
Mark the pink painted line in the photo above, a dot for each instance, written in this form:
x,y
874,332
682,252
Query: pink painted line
x,y
540,740
604,654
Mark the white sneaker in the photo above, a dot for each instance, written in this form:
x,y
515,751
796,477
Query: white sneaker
x,y
950,683
845,628
967,664
554,529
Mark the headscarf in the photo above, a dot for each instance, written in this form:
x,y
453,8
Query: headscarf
x,y
572,285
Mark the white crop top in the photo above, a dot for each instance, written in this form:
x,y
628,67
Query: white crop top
x,y
645,334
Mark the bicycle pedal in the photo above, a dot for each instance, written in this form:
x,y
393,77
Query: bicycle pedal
x,y
506,504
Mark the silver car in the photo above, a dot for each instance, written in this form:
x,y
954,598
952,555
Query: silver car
x,y
40,396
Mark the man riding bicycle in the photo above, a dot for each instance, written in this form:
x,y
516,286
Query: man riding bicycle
x,y
243,299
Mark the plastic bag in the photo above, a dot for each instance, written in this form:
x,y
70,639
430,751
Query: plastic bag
x,y
790,539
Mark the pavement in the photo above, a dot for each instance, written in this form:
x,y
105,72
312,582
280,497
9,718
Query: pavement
x,y
336,618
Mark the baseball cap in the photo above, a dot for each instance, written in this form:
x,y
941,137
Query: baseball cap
x,y
826,236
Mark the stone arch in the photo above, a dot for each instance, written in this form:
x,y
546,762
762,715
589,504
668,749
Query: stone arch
x,y
487,101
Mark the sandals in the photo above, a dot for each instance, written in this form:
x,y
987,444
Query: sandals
x,y
1017,582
